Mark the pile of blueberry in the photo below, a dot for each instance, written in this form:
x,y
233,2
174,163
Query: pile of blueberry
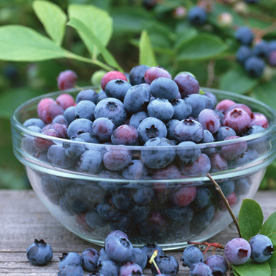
x,y
254,59
118,257
136,138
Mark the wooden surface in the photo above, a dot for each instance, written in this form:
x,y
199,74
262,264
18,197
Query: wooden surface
x,y
23,218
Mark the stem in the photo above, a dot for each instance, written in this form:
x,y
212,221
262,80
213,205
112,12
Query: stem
x,y
155,253
215,245
92,61
225,202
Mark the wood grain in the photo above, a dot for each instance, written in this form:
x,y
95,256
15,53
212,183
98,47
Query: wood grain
x,y
23,218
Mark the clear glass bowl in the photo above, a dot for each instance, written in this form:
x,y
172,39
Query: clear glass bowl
x,y
166,206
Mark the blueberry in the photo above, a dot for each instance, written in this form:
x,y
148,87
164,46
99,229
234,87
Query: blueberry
x,y
254,66
237,251
151,128
242,185
87,95
137,118
71,270
69,114
79,126
117,89
57,157
124,135
89,259
198,103
189,130
39,253
66,79
218,162
191,255
60,119
135,170
167,264
272,58
74,150
94,220
137,98
197,15
200,269
179,214
160,155
156,72
234,150
90,161
209,120
243,53
203,199
188,152
112,109
103,129
244,35
170,128
183,196
129,268
149,248
261,49
69,258
218,264
161,109
118,249
101,96
116,159
108,268
85,109
136,75
182,110
227,187
122,199
139,257
164,88
106,211
224,132
187,84
199,167
143,196
261,248
112,75
88,137
34,122
212,96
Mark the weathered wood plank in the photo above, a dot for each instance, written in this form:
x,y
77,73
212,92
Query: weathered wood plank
x,y
24,218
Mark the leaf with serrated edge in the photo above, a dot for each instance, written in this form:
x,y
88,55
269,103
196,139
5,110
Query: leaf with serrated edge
x,y
90,43
95,19
269,228
252,269
146,53
18,43
202,46
53,19
272,264
236,80
250,218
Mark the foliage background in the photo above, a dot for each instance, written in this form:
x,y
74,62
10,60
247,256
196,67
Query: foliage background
x,y
207,51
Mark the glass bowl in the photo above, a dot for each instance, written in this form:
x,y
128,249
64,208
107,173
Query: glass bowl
x,y
123,187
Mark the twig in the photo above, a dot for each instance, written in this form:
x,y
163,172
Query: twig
x,y
155,253
215,245
225,202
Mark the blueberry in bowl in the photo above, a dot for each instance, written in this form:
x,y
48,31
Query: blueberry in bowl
x,y
113,164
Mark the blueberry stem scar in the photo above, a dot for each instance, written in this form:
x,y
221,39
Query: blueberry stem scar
x,y
225,202
153,261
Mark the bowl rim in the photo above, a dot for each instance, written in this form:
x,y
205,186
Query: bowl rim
x,y
264,133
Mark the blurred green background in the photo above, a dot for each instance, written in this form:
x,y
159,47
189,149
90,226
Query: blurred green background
x,y
170,36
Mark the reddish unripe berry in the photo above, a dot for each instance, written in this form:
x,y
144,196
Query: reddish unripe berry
x,y
272,59
233,151
218,162
43,144
187,84
112,75
42,104
210,120
156,72
65,100
242,106
184,196
124,135
66,79
259,119
224,105
48,112
232,200
237,119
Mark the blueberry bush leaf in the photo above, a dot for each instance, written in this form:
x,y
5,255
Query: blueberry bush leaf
x,y
53,19
146,52
252,269
269,228
91,40
18,43
272,264
250,218
202,46
236,80
97,21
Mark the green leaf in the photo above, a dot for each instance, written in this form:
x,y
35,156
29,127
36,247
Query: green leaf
x,y
146,54
11,99
97,21
252,269
236,80
272,264
269,228
18,43
200,47
250,218
53,19
265,92
91,40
